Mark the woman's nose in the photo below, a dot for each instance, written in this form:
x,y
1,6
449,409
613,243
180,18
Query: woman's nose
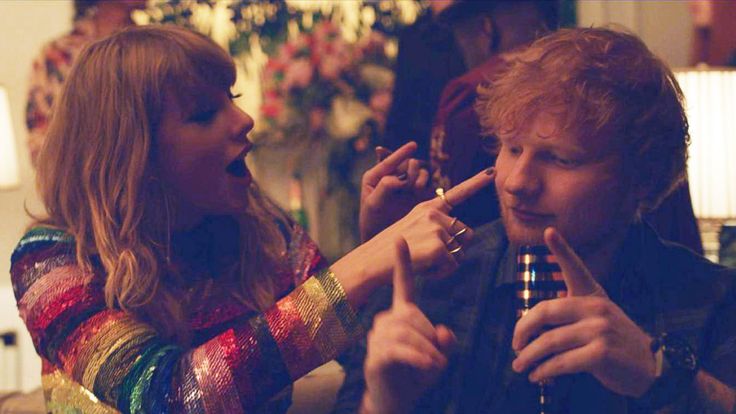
x,y
243,123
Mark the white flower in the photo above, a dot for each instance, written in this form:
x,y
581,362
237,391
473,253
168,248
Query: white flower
x,y
214,20
346,117
377,77
298,74
223,28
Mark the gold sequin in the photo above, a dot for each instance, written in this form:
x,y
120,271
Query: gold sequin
x,y
63,395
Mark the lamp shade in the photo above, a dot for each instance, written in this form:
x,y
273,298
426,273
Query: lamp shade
x,y
9,177
710,96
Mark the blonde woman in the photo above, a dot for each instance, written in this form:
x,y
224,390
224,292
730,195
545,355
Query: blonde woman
x,y
161,280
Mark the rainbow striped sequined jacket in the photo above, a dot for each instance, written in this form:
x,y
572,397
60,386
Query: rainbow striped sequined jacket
x,y
97,359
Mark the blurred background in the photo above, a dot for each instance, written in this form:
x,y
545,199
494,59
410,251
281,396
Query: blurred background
x,y
318,75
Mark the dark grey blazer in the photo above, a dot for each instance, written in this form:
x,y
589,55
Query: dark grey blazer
x,y
662,286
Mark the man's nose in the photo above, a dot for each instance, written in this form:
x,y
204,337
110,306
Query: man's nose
x,y
524,179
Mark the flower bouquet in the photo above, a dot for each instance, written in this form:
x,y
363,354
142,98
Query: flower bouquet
x,y
325,94
318,86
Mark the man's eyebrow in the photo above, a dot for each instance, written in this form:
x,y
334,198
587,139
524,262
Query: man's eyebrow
x,y
547,145
572,149
507,136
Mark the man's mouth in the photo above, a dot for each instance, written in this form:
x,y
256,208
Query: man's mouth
x,y
529,215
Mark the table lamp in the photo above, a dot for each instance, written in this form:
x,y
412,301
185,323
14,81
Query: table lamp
x,y
710,95
9,176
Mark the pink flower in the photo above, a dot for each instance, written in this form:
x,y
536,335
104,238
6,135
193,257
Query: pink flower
x,y
272,107
317,119
273,73
381,101
285,52
273,104
325,31
330,67
298,47
274,65
298,75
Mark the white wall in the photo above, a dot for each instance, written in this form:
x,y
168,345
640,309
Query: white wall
x,y
24,26
664,25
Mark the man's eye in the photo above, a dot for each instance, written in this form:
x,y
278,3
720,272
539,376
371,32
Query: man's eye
x,y
514,150
203,117
566,162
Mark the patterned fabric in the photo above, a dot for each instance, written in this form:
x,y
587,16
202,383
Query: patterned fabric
x,y
48,73
661,286
103,360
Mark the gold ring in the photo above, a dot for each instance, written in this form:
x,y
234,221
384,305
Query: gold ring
x,y
456,235
452,223
461,232
441,194
457,249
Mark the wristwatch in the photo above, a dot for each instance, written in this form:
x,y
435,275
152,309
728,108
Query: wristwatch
x,y
677,365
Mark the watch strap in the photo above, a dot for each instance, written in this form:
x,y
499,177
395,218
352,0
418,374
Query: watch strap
x,y
676,369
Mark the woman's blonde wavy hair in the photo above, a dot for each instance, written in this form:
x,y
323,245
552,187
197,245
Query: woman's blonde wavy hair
x,y
98,178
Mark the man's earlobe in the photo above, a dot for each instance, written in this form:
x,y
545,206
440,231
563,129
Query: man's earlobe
x,y
641,193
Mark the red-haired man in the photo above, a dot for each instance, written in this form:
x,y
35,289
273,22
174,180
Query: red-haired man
x,y
592,133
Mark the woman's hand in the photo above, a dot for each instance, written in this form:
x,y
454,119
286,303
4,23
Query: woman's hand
x,y
391,189
435,242
406,353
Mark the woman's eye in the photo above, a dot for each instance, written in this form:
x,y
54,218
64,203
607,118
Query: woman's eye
x,y
203,117
233,96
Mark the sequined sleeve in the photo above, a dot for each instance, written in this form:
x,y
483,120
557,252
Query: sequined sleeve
x,y
119,363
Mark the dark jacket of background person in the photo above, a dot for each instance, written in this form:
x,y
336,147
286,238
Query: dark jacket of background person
x,y
428,58
458,148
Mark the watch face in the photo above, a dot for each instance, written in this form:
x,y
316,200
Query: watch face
x,y
679,353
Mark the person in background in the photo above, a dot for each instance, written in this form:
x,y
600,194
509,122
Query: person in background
x,y
428,58
160,279
93,19
485,31
591,132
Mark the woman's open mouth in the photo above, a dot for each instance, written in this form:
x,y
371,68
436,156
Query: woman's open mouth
x,y
237,168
